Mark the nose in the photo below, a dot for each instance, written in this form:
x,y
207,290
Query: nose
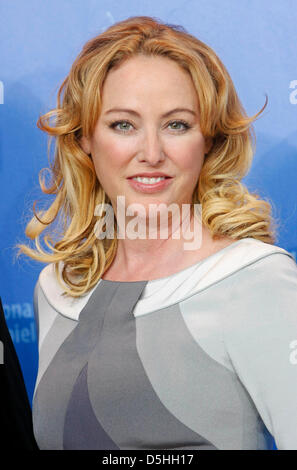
x,y
152,149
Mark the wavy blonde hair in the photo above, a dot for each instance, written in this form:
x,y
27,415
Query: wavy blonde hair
x,y
228,208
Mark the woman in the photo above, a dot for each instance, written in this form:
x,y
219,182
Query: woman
x,y
145,343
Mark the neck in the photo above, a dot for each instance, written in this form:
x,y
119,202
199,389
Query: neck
x,y
144,255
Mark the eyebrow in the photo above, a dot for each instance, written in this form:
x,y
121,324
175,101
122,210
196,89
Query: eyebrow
x,y
131,111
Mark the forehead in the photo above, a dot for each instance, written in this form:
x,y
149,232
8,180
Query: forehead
x,y
142,77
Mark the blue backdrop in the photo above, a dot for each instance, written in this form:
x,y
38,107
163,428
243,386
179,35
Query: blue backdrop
x,y
256,40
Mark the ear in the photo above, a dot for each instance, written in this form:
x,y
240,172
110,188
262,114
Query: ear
x,y
85,144
208,144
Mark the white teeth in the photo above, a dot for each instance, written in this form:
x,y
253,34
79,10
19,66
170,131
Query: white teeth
x,y
149,180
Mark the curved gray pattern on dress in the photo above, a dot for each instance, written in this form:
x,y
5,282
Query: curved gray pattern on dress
x,y
82,431
55,387
182,373
58,332
121,394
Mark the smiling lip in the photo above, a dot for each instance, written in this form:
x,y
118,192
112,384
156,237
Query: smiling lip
x,y
150,175
150,188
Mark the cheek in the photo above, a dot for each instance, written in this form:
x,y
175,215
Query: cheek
x,y
111,155
189,156
109,158
106,159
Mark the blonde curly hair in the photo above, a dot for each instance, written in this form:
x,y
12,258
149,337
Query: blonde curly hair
x,y
228,208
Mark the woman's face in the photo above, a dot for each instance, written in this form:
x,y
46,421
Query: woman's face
x,y
141,131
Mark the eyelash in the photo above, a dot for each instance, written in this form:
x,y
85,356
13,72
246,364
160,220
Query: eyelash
x,y
180,121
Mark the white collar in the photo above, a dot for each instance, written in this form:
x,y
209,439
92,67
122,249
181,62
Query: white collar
x,y
171,289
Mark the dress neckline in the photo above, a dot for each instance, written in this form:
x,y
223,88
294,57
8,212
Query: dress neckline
x,y
192,266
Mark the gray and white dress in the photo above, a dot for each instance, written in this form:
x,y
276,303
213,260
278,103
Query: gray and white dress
x,y
205,358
